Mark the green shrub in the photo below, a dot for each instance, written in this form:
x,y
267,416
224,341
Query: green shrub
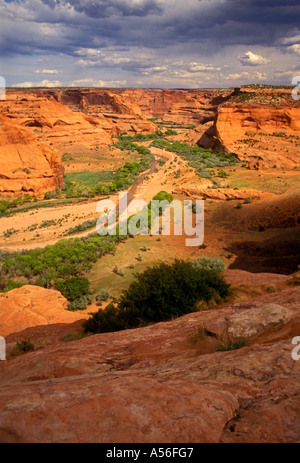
x,y
160,293
103,295
222,174
82,227
208,263
231,344
80,304
8,285
9,232
47,223
49,195
22,347
196,208
163,196
104,321
200,335
74,288
72,337
64,259
197,157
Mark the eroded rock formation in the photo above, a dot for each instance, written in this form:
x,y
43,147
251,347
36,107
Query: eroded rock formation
x,y
30,306
26,166
260,135
163,384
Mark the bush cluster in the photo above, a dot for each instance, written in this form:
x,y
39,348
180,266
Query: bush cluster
x,y
88,224
8,285
103,295
147,136
67,258
147,215
6,205
197,157
160,293
81,303
73,288
210,264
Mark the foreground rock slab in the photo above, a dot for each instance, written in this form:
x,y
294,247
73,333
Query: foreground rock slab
x,y
157,384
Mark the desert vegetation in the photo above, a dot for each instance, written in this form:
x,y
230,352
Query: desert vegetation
x,y
145,137
160,293
67,258
199,158
197,315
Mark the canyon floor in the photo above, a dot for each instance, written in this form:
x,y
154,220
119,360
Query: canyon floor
x,y
167,382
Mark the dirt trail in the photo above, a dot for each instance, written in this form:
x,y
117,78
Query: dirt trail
x,y
28,235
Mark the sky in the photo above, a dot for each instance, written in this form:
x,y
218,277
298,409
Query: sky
x,y
149,43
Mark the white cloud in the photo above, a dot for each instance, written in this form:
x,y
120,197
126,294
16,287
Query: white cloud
x,y
111,83
98,83
199,67
43,83
251,59
291,40
287,74
246,76
47,71
294,49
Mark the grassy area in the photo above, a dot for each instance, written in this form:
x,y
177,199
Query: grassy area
x,y
270,180
88,179
102,274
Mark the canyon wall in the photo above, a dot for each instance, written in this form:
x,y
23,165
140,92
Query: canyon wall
x,y
133,107
110,108
26,166
261,135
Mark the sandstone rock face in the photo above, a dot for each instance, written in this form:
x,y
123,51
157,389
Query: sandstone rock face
x,y
156,384
237,277
250,324
129,109
30,306
222,194
26,166
53,121
261,135
113,112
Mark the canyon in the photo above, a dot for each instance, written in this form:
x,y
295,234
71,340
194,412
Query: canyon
x,y
173,381
259,132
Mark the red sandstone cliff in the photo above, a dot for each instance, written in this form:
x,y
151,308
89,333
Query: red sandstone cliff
x,y
26,166
260,135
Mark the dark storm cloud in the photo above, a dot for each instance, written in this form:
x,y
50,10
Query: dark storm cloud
x,y
246,22
124,39
150,23
106,8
